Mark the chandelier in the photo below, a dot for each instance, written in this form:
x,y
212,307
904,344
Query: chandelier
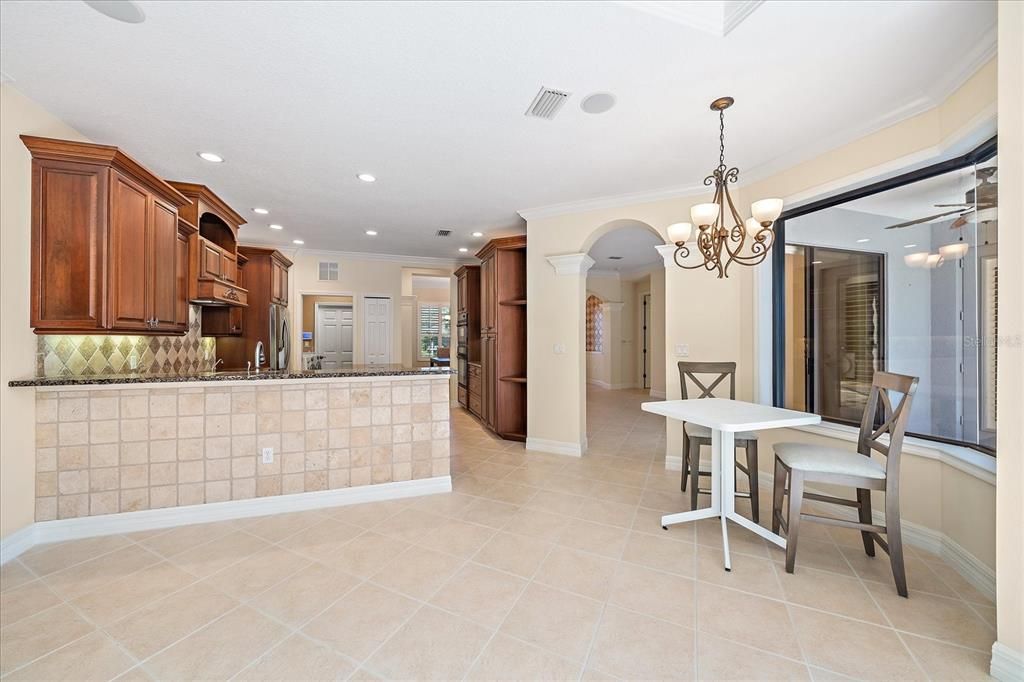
x,y
723,237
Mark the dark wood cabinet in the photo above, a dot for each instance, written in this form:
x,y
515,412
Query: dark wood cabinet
x,y
496,390
218,321
213,249
264,273
105,250
279,281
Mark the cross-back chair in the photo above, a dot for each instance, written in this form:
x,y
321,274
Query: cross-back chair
x,y
705,378
803,463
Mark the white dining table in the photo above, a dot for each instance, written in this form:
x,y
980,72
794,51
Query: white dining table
x,y
725,418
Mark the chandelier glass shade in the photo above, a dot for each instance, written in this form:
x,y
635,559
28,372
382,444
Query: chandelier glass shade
x,y
722,236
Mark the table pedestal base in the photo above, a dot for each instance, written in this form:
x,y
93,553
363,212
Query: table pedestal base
x,y
723,496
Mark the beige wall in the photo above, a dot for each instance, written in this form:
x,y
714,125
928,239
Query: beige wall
x,y
1010,472
18,115
359,277
716,318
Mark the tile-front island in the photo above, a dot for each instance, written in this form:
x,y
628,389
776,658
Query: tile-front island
x,y
107,444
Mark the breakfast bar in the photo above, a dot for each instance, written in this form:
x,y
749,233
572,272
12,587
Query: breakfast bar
x,y
108,444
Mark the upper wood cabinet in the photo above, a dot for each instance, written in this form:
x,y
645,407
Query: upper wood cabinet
x,y
106,242
213,250
279,279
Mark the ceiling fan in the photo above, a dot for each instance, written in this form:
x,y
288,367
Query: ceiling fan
x,y
979,198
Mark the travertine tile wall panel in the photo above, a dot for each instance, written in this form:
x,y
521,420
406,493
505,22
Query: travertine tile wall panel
x,y
102,451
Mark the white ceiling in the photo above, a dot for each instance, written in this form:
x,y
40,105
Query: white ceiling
x,y
633,243
299,97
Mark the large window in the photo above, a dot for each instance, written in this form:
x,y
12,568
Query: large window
x,y
900,276
435,329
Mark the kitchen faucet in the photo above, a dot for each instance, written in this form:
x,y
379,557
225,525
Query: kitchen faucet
x,y
258,357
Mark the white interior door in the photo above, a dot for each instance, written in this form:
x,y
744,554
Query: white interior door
x,y
377,325
334,336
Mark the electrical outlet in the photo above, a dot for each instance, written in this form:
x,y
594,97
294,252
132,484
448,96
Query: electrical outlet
x,y
683,350
133,361
559,348
268,455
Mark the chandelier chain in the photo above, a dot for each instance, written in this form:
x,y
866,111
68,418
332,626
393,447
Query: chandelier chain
x,y
721,138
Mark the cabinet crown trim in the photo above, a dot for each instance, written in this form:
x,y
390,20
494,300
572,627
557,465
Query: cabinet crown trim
x,y
87,152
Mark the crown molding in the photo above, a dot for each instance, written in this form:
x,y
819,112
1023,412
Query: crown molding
x,y
359,255
613,201
571,263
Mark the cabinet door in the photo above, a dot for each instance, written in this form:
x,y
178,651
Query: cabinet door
x,y
275,281
164,272
130,207
69,237
487,362
228,267
181,279
463,291
210,261
487,294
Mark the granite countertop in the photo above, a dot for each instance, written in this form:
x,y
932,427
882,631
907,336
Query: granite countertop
x,y
264,375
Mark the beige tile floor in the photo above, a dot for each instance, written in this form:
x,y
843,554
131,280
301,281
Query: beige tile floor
x,y
536,567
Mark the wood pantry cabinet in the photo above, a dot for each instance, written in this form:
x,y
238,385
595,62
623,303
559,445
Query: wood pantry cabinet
x,y
106,243
503,336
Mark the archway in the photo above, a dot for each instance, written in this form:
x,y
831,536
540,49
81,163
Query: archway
x,y
623,317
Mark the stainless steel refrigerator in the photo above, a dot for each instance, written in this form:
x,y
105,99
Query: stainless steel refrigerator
x,y
279,347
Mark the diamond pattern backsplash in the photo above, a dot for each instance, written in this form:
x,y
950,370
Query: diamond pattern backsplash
x,y
68,355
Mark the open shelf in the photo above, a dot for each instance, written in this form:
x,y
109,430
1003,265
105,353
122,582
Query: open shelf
x,y
513,301
517,380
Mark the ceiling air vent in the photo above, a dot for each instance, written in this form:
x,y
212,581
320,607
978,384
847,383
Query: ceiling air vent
x,y
443,233
547,103
614,257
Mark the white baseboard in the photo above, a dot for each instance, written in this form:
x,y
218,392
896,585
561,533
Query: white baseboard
x,y
658,394
610,386
16,543
1007,665
556,447
152,519
973,570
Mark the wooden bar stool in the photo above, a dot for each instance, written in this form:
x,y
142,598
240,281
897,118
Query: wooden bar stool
x,y
697,435
804,463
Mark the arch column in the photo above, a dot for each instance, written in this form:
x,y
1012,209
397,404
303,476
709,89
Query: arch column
x,y
562,360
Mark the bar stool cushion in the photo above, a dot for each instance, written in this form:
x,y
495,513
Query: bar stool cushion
x,y
704,432
825,460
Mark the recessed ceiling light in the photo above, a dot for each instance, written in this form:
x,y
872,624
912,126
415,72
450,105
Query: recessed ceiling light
x,y
909,246
598,103
122,10
372,233
478,234
463,249
298,241
210,156
261,211
367,177
275,226
863,241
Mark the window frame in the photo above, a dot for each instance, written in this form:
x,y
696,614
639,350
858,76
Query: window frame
x,y
440,326
980,154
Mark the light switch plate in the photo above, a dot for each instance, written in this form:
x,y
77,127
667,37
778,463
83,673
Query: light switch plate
x,y
682,350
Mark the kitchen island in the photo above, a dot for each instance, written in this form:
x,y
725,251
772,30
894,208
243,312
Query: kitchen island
x,y
109,444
